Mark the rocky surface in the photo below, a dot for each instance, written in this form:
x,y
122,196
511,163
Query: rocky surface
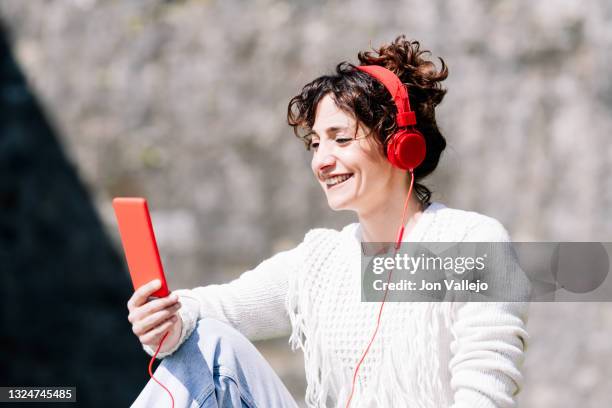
x,y
63,288
184,102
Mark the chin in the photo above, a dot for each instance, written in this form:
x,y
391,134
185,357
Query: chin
x,y
336,208
339,205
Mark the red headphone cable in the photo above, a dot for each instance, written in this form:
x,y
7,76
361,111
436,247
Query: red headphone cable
x,y
398,242
151,368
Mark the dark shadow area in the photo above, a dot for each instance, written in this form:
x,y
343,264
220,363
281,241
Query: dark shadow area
x,y
63,288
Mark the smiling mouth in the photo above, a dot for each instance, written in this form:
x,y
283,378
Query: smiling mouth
x,y
332,182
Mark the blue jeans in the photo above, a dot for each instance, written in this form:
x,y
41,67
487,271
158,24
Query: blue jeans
x,y
216,367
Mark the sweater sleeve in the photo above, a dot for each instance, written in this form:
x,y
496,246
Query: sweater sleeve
x,y
254,303
490,339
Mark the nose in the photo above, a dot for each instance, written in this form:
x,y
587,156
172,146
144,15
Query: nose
x,y
323,160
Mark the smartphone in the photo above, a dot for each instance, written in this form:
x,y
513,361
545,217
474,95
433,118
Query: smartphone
x,y
139,244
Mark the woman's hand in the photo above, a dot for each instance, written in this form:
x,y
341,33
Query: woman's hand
x,y
151,320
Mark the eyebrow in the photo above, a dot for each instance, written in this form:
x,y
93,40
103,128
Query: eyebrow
x,y
331,129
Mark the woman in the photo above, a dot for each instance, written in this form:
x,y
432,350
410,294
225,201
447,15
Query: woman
x,y
426,354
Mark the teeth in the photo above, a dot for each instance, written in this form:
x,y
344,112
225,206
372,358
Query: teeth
x,y
332,181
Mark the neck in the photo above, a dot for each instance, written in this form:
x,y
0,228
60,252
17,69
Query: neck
x,y
381,225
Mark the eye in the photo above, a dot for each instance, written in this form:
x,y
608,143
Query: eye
x,y
314,145
344,140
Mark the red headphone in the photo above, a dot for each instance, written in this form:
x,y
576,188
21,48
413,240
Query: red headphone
x,y
406,148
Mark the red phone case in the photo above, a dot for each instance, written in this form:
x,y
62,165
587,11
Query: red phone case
x,y
139,243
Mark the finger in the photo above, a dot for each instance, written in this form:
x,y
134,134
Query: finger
x,y
154,340
151,307
154,336
159,304
141,294
155,319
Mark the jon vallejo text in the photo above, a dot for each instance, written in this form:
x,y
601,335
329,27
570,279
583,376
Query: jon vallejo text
x,y
425,285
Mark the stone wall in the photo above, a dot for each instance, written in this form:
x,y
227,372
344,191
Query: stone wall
x,y
184,102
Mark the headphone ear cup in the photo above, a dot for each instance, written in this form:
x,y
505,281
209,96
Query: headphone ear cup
x,y
406,149
391,149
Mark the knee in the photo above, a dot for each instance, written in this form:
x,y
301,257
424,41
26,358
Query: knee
x,y
218,340
209,327
215,332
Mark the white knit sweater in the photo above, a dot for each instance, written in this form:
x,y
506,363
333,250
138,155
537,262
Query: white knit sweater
x,y
426,354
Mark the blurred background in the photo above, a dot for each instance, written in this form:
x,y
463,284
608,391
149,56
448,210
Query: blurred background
x,y
184,102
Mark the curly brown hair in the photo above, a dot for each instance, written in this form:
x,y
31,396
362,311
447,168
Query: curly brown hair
x,y
368,101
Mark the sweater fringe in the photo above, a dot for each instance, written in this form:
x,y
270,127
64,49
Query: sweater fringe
x,y
409,357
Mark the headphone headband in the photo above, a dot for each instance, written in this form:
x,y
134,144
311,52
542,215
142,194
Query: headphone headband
x,y
405,116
